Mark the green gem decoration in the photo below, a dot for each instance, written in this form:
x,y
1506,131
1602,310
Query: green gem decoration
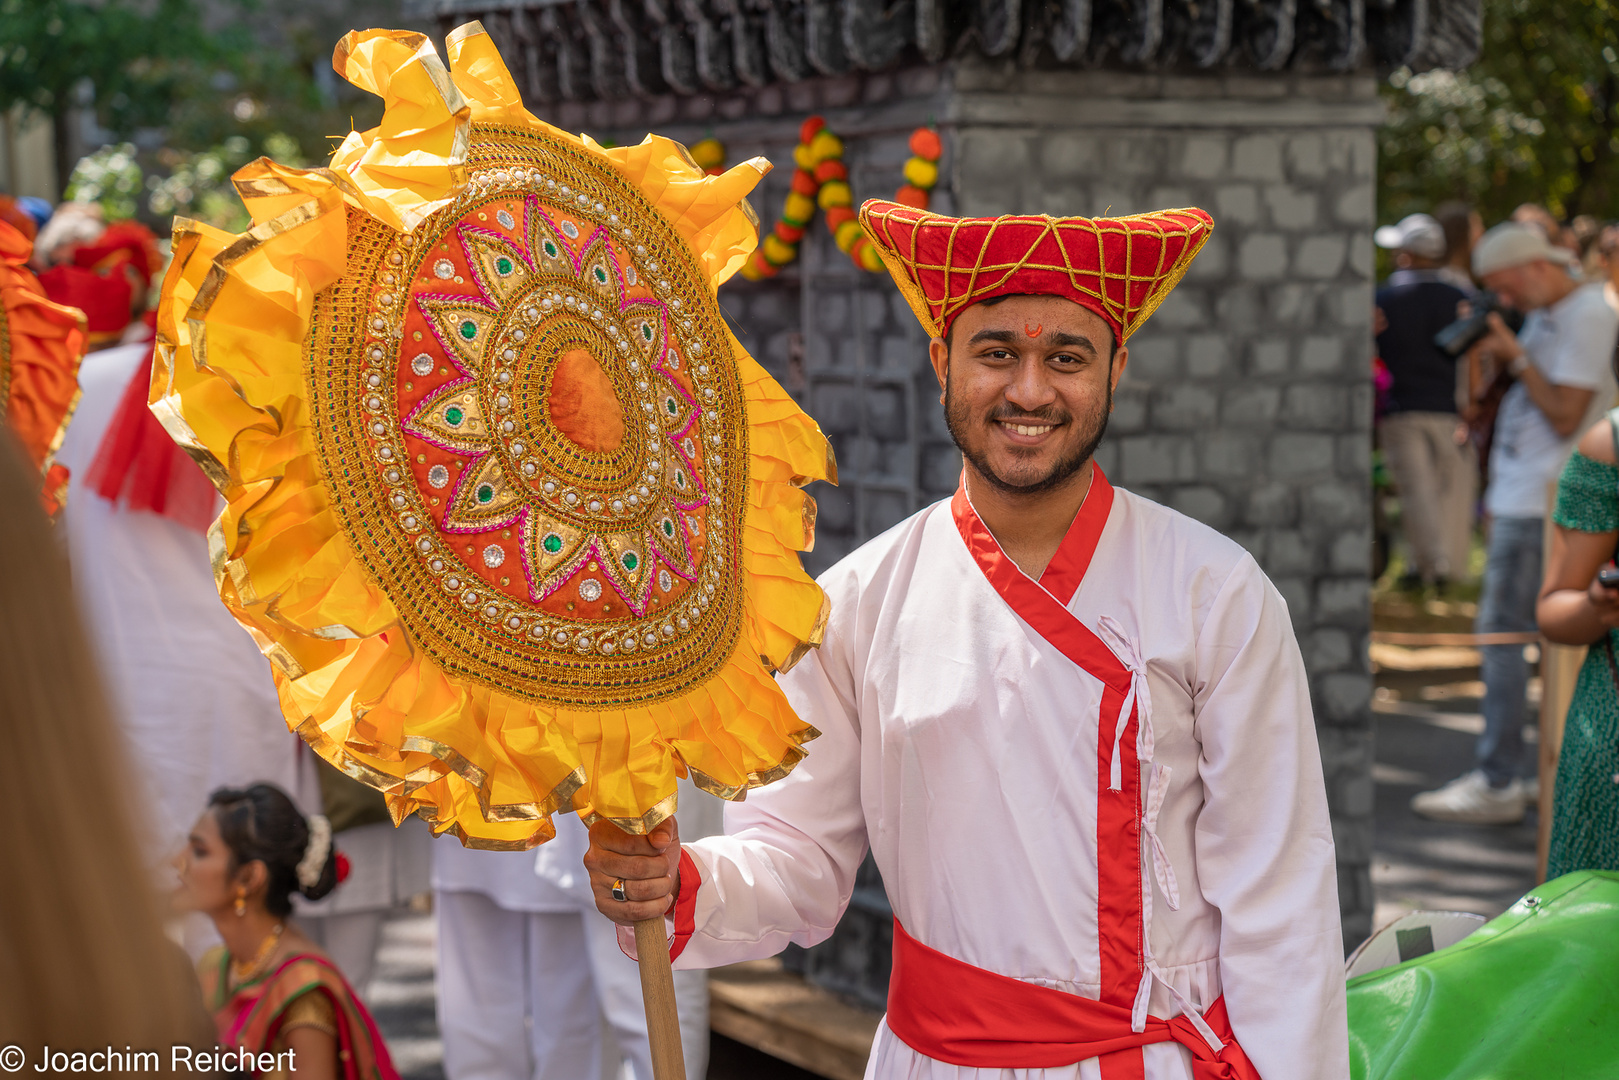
x,y
646,332
454,415
552,543
672,406
486,493
550,249
503,266
668,528
601,275
469,329
680,479
630,560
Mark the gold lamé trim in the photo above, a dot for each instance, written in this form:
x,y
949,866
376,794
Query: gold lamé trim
x,y
263,187
809,512
451,757
817,632
167,411
397,787
218,550
479,843
462,32
739,792
812,640
661,811
829,467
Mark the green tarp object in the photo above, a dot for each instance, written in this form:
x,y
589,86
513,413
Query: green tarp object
x,y
1531,995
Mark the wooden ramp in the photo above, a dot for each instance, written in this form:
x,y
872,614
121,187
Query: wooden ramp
x,y
777,1012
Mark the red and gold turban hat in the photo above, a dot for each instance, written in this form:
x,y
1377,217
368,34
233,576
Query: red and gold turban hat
x,y
41,344
1120,268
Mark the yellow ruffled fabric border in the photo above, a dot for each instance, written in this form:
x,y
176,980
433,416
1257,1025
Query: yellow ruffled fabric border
x,y
228,384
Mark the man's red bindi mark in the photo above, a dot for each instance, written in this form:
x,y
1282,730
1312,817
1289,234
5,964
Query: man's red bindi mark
x,y
1033,329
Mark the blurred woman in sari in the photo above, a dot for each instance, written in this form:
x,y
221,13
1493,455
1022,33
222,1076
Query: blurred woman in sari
x,y
271,990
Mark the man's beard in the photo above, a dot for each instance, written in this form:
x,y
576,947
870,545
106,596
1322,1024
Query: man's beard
x,y
956,418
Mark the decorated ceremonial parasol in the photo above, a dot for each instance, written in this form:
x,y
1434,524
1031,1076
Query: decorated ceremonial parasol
x,y
41,344
512,513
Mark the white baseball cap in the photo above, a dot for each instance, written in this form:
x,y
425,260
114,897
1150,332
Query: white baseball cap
x,y
1418,234
1513,243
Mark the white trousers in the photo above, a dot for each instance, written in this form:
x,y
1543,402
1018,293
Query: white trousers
x,y
523,996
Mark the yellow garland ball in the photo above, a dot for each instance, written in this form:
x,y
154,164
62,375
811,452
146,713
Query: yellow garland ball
x,y
834,193
921,173
751,272
804,157
825,145
800,208
847,234
708,154
868,258
777,251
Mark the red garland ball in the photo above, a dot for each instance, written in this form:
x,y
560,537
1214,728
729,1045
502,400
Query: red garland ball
x,y
809,129
925,144
831,169
342,867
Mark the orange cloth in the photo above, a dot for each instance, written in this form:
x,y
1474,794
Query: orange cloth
x,y
41,344
1120,268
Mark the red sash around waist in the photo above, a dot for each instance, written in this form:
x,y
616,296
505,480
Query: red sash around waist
x,y
964,1015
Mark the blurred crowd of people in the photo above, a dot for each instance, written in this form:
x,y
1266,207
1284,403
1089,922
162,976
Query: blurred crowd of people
x,y
140,691
1496,370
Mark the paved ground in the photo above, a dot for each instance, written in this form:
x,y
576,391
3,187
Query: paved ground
x,y
1426,724
1425,735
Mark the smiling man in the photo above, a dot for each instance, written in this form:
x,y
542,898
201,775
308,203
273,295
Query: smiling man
x,y
1072,725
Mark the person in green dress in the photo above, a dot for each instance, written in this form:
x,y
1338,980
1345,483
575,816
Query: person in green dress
x,y
1576,609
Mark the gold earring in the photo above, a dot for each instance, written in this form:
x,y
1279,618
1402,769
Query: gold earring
x,y
241,903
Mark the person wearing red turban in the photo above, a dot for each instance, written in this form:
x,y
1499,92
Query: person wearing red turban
x,y
1071,725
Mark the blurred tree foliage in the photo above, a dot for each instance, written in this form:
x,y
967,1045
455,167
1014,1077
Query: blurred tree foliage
x,y
189,90
1536,119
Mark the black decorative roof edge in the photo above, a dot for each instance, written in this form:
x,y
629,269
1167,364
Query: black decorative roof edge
x,y
603,50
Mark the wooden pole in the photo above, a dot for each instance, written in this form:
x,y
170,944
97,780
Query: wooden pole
x,y
658,993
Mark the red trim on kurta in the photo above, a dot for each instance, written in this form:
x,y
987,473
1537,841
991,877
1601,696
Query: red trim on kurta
x,y
685,905
957,1013
1067,568
1119,916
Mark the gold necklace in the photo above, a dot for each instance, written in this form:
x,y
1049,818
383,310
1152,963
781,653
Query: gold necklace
x,y
240,972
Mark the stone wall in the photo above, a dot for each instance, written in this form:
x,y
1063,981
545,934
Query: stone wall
x,y
1246,404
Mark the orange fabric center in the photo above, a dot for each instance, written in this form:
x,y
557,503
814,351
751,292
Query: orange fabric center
x,y
584,405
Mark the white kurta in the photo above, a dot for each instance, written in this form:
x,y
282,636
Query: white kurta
x,y
963,748
193,694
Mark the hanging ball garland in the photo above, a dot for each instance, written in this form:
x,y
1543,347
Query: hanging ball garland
x,y
821,181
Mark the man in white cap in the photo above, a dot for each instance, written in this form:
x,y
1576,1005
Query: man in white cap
x,y
1421,433
1563,362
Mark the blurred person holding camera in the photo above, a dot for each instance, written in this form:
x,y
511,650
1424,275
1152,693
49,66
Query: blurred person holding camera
x,y
1564,381
1422,435
84,965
